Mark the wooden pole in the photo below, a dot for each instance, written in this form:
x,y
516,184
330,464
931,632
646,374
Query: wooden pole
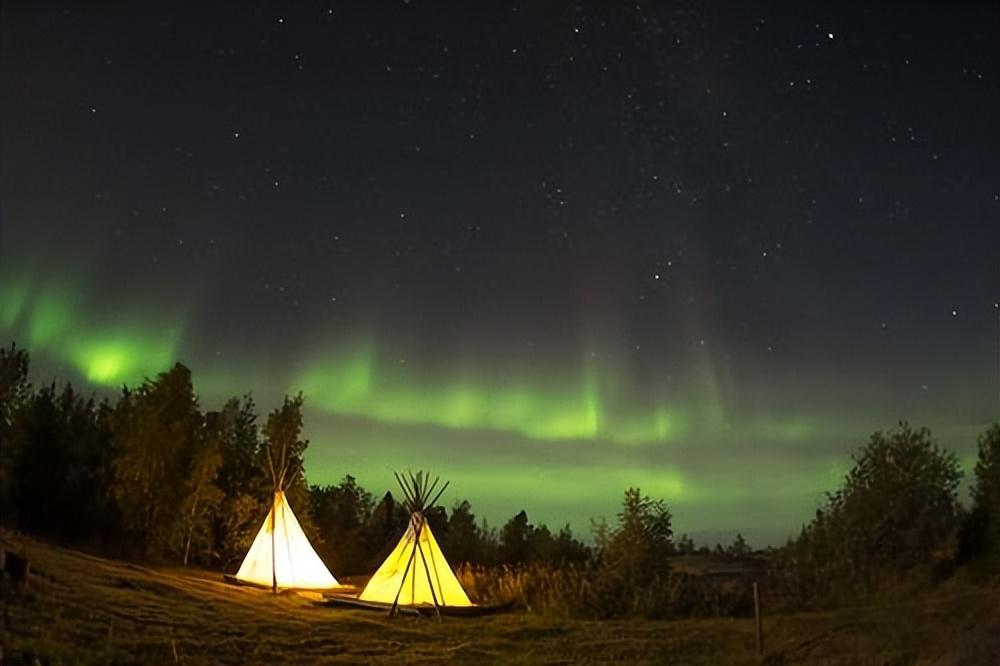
x,y
758,629
430,583
274,573
409,563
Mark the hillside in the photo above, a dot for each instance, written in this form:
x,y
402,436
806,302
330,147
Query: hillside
x,y
83,609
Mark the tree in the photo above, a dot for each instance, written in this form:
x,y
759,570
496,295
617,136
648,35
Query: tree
x,y
243,469
284,449
387,521
632,569
568,549
14,386
157,432
38,456
60,454
514,539
981,533
243,478
739,547
342,513
15,391
202,496
897,509
520,542
685,545
463,542
636,550
539,545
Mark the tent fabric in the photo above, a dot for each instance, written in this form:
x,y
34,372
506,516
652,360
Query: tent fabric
x,y
295,563
415,588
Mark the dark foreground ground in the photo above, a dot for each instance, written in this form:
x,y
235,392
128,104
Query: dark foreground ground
x,y
83,609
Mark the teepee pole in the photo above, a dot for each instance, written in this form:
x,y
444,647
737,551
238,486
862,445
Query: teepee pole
x,y
406,492
274,572
430,583
436,497
395,602
426,495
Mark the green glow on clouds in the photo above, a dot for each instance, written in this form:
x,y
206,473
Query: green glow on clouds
x,y
110,361
355,383
562,442
586,403
55,323
49,321
13,295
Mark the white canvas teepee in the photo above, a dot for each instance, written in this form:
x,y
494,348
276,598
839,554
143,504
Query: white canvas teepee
x,y
281,555
416,571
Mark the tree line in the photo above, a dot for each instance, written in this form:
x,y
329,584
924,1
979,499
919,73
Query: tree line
x,y
152,476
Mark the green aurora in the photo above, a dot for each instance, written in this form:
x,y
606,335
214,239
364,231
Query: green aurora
x,y
52,324
561,442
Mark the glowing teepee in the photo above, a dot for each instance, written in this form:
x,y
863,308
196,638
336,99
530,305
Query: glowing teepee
x,y
281,555
416,571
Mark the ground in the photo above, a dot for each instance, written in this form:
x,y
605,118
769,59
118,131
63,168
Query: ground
x,y
83,609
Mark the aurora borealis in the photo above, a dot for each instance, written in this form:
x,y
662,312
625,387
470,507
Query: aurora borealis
x,y
546,252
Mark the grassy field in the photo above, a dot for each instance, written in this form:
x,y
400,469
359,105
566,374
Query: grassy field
x,y
82,609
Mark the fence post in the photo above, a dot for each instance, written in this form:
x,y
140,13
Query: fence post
x,y
759,631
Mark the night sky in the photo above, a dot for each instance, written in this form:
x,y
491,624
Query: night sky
x,y
545,250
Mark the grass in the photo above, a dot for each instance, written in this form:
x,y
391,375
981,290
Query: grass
x,y
83,609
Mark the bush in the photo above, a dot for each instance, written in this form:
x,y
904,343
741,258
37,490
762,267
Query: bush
x,y
593,592
896,512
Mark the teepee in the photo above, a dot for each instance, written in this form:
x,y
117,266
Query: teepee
x,y
416,571
281,555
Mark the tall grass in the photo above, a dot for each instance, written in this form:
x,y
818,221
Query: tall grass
x,y
595,592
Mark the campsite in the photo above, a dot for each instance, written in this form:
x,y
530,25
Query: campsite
x,y
641,595
563,332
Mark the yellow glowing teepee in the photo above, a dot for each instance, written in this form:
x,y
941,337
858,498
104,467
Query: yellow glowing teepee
x,y
281,555
416,571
